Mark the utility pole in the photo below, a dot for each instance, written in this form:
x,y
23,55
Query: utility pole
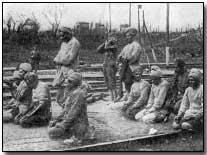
x,y
130,5
168,35
152,49
139,7
143,33
109,17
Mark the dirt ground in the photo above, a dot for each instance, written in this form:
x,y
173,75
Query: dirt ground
x,y
109,123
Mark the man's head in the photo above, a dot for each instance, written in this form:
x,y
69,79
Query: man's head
x,y
155,75
137,73
180,66
72,79
23,69
31,79
65,34
111,42
130,34
194,78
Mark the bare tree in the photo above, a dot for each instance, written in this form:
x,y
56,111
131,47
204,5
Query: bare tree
x,y
54,15
9,21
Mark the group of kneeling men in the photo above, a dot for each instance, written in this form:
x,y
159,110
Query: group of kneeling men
x,y
150,103
144,101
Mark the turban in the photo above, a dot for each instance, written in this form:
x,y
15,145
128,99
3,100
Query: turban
x,y
131,31
195,73
26,67
75,77
156,71
66,30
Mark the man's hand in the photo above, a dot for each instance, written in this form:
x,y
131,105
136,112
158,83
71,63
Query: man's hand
x,y
124,107
151,109
52,123
148,106
178,118
58,125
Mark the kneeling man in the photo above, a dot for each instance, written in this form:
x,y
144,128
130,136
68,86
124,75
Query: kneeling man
x,y
73,121
154,111
138,96
39,110
190,114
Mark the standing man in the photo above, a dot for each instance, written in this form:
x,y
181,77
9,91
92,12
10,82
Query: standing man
x,y
73,121
190,114
129,58
154,112
66,59
109,48
35,59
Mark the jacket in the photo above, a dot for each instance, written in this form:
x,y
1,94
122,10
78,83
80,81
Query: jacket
x,y
132,52
139,93
158,95
69,53
75,110
192,103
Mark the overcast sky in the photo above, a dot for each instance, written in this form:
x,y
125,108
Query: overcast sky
x,y
181,14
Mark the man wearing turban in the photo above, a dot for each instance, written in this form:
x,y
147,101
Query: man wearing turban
x,y
39,109
67,57
18,76
190,114
138,96
73,121
154,111
129,58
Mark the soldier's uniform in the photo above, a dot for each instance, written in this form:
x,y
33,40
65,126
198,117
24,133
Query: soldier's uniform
x,y
20,104
17,77
191,108
177,89
40,112
129,59
73,120
35,59
156,101
66,59
109,48
137,98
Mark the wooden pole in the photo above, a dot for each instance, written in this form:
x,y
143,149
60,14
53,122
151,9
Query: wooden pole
x,y
168,35
109,17
130,14
139,24
152,49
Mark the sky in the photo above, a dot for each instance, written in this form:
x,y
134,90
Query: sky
x,y
182,15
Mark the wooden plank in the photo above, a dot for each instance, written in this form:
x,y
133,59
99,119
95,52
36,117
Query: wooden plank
x,y
112,145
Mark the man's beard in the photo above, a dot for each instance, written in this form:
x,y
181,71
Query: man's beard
x,y
195,85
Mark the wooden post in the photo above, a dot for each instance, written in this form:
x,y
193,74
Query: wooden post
x,y
168,36
139,7
109,17
130,14
152,49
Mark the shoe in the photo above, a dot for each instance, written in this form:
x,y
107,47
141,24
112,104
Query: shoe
x,y
176,126
187,126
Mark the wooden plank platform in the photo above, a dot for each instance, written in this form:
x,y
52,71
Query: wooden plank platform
x,y
111,127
